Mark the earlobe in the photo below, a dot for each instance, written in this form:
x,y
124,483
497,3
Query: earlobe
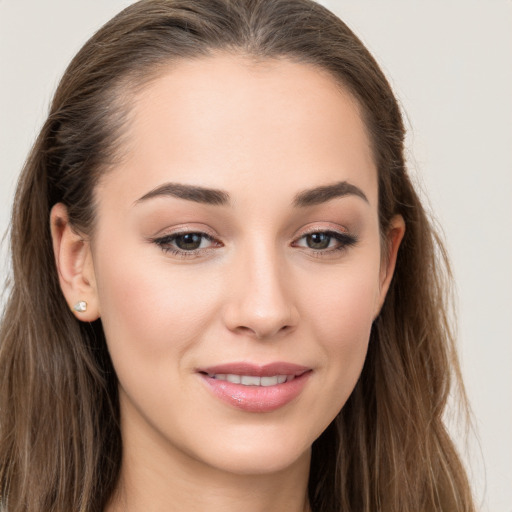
x,y
394,238
74,266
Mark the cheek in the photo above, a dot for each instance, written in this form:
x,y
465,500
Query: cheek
x,y
343,302
343,325
149,309
341,317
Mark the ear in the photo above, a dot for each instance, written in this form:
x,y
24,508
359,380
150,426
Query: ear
x,y
75,267
394,238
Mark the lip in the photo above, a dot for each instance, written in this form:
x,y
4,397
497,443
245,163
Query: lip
x,y
256,398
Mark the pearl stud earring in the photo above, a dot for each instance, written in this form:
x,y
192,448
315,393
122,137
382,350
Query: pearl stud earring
x,y
80,307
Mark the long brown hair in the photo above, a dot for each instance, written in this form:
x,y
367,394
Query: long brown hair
x,y
60,444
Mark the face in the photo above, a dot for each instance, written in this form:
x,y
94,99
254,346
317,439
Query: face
x,y
236,262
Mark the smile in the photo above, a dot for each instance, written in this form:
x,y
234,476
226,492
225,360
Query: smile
x,y
256,389
253,380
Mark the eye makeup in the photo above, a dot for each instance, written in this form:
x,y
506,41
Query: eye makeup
x,y
319,242
322,241
187,244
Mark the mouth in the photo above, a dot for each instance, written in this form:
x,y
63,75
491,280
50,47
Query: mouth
x,y
252,380
254,388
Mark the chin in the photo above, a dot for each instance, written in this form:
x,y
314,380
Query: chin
x,y
257,452
242,462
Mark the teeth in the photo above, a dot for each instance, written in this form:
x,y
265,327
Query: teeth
x,y
247,380
269,381
251,380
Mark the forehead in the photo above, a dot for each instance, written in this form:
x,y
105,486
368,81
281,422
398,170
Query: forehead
x,y
229,119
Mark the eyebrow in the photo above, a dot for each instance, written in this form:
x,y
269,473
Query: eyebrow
x,y
210,196
322,194
190,193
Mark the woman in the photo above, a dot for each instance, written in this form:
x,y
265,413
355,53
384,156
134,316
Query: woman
x,y
226,291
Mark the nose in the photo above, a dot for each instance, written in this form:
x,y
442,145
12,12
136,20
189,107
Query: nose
x,y
260,301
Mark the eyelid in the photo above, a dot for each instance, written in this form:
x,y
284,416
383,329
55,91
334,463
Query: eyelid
x,y
321,228
183,229
342,235
164,239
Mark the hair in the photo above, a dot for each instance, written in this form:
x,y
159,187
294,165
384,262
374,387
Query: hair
x,y
60,443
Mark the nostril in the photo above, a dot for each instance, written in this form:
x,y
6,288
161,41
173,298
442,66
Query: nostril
x,y
263,333
260,318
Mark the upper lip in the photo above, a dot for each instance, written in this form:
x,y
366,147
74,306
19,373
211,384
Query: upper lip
x,y
267,370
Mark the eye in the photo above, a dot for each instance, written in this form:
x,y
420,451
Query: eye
x,y
325,241
318,240
190,241
186,244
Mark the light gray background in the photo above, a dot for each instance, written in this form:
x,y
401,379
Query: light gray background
x,y
450,62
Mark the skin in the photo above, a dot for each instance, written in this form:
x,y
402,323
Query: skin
x,y
256,291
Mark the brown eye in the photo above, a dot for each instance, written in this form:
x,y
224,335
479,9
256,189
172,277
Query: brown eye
x,y
325,242
189,241
318,241
186,244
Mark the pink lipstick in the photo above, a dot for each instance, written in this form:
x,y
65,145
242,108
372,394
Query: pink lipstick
x,y
255,388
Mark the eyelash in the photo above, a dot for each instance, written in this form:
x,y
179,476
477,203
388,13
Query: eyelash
x,y
165,242
344,240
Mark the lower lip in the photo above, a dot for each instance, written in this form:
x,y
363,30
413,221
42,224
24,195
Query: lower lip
x,y
257,398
